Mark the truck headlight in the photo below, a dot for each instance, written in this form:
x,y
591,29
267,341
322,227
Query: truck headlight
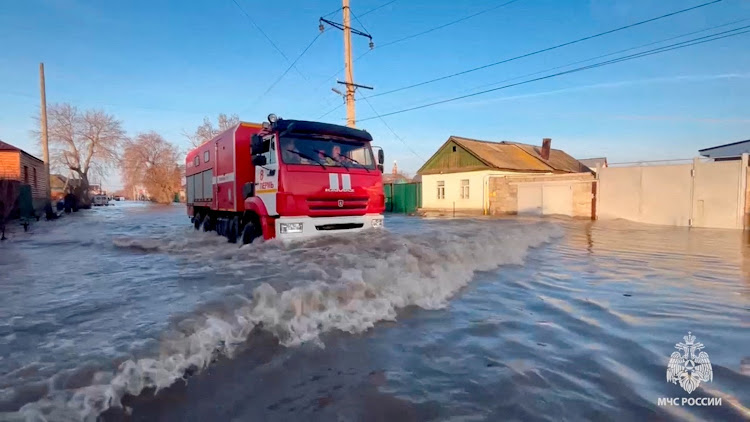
x,y
290,228
378,222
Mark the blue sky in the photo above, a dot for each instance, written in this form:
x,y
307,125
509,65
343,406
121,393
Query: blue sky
x,y
163,65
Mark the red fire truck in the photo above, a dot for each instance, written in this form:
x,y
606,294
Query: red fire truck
x,y
285,178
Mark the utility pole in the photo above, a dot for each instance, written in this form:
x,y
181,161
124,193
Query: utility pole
x,y
351,114
45,138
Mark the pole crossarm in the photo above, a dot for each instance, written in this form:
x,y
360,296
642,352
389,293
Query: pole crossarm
x,y
354,85
342,27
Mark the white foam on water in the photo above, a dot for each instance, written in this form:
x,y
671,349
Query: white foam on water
x,y
347,283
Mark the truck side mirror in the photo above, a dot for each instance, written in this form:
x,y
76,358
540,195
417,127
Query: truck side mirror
x,y
381,157
256,144
259,160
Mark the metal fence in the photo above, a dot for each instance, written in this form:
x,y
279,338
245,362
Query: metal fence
x,y
403,198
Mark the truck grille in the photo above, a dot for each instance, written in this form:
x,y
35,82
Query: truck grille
x,y
333,204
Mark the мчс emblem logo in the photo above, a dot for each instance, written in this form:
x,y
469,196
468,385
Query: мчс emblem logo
x,y
688,368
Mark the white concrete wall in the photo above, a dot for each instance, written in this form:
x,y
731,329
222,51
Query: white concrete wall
x,y
700,194
717,195
452,181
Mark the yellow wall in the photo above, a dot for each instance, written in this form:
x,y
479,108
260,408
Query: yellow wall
x,y
453,190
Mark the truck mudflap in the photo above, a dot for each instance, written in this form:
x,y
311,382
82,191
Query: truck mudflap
x,y
290,228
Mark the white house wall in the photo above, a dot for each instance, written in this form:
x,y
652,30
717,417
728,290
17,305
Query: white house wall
x,y
477,179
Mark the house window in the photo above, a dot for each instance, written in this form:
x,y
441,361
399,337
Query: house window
x,y
26,174
454,148
465,189
197,161
441,189
206,156
35,186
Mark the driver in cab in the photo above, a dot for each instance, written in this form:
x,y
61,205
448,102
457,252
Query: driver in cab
x,y
332,159
292,155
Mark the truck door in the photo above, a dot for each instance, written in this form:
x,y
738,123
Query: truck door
x,y
267,177
224,175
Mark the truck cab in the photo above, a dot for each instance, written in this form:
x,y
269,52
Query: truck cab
x,y
316,178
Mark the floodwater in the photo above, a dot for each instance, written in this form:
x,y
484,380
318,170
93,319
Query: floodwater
x,y
127,313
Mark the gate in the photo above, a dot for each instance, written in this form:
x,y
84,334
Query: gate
x,y
403,198
550,198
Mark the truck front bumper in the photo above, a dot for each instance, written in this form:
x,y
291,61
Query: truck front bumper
x,y
289,228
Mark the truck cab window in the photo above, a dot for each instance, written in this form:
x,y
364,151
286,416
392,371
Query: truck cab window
x,y
271,153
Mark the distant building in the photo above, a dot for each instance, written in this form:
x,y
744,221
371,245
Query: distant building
x,y
395,176
731,151
457,174
591,163
18,165
96,189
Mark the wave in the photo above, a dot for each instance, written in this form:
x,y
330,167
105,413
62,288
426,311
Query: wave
x,y
345,283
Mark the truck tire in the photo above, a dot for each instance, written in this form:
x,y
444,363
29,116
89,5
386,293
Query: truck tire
x,y
249,233
233,230
206,224
197,221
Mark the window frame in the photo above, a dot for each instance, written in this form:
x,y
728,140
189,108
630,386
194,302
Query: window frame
x,y
441,189
465,188
197,161
206,156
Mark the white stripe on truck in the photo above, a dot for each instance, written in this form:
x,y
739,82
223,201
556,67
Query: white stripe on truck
x,y
333,181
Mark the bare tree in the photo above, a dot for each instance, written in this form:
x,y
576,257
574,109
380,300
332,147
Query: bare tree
x,y
152,162
86,143
207,131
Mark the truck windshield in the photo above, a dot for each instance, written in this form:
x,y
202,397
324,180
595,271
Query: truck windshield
x,y
326,151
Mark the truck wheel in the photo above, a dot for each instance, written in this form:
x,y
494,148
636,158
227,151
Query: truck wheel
x,y
233,230
197,221
206,224
249,233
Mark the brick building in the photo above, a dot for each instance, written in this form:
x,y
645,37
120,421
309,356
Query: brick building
x,y
18,165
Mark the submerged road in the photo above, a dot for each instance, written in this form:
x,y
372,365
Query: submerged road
x,y
474,319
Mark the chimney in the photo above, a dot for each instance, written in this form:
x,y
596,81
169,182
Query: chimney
x,y
546,144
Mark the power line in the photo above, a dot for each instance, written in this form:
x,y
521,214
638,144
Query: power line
x,y
360,22
382,120
600,34
658,50
329,14
270,41
608,54
422,33
377,8
481,12
331,111
290,66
